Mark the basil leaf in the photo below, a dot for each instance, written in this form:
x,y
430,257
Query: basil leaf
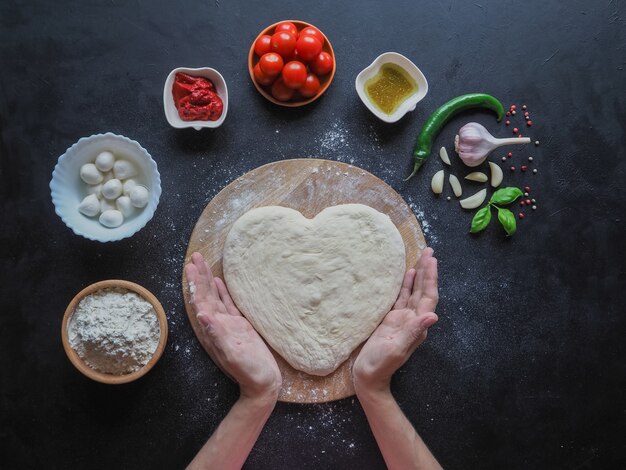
x,y
481,219
505,196
507,219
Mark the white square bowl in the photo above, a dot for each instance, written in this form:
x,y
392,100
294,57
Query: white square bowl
x,y
169,106
68,189
409,103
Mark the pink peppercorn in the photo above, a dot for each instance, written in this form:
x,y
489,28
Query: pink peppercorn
x,y
527,202
508,113
524,168
521,216
522,203
527,189
529,123
512,168
508,123
515,130
524,106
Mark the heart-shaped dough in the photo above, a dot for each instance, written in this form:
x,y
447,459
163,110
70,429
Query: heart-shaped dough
x,y
314,288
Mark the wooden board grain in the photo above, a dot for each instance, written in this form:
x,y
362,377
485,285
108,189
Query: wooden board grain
x,y
307,185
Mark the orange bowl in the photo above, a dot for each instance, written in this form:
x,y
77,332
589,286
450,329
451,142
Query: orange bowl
x,y
85,369
324,80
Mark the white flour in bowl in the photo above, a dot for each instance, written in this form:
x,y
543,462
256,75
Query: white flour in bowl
x,y
114,331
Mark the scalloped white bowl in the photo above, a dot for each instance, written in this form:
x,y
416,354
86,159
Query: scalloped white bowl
x,y
68,190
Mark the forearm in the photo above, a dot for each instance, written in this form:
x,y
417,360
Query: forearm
x,y
401,446
231,443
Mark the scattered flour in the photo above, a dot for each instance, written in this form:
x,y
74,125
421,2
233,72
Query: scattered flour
x,y
114,331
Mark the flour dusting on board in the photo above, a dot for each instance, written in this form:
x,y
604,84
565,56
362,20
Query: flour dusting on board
x,y
427,228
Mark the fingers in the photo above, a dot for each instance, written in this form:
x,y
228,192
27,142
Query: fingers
x,y
205,275
197,288
428,319
419,268
416,329
405,290
425,287
430,292
225,297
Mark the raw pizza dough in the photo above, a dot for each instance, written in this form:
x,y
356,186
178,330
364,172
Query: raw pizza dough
x,y
314,288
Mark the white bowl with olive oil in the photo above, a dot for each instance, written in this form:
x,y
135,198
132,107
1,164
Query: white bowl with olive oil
x,y
391,86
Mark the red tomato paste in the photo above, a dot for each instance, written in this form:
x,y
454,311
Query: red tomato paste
x,y
196,98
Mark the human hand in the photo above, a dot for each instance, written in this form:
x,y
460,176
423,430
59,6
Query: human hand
x,y
232,342
402,330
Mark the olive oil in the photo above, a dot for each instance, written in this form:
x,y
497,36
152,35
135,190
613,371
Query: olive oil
x,y
390,87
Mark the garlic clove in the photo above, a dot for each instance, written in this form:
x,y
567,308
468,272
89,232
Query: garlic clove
x,y
474,201
456,185
477,176
443,154
496,174
436,184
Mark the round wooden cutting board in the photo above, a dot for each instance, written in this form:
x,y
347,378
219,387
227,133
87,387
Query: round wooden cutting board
x,y
307,185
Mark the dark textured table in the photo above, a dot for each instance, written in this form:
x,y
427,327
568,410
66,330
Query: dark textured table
x,y
526,367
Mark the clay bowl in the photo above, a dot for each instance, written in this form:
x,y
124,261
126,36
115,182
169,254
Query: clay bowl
x,y
325,80
92,373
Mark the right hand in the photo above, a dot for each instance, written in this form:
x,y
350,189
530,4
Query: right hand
x,y
402,330
233,343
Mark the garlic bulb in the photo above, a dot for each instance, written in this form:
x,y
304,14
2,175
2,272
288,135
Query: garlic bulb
x,y
474,143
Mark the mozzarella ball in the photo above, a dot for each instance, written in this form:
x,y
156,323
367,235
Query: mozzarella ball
x,y
105,161
111,218
124,169
96,190
112,189
89,206
128,185
139,196
106,205
124,205
90,174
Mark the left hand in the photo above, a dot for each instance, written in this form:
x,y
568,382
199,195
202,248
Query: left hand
x,y
402,330
232,342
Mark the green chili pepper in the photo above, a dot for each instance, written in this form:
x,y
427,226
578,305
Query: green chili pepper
x,y
442,115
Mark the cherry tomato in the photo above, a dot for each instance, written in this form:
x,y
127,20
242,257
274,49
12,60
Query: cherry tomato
x,y
311,86
294,74
271,63
262,45
322,64
308,47
286,26
261,77
282,92
283,43
314,32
